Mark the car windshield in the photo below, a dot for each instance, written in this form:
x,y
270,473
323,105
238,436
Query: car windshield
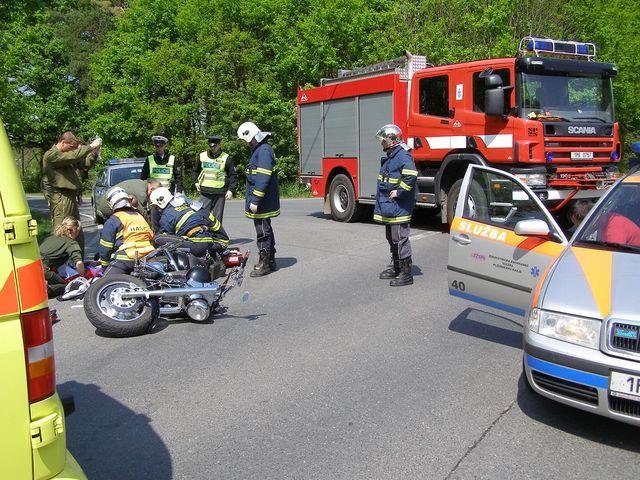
x,y
616,223
566,97
124,173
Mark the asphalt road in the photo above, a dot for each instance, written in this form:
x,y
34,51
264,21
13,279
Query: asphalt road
x,y
326,373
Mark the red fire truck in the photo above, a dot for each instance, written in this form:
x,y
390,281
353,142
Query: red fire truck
x,y
545,115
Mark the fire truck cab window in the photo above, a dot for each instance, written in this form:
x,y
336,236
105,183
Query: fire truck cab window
x,y
434,96
479,87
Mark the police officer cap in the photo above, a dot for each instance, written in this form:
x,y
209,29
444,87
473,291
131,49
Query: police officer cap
x,y
159,139
213,139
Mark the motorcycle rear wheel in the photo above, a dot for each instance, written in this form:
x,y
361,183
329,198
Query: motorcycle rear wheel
x,y
117,317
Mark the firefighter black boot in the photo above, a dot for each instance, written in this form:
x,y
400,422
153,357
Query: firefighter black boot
x,y
405,277
272,261
393,271
262,267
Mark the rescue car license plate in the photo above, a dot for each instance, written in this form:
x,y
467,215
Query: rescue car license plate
x,y
625,385
581,155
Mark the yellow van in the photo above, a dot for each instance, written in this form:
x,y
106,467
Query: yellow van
x,y
32,436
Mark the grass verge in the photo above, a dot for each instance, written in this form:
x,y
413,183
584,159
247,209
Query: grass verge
x,y
44,225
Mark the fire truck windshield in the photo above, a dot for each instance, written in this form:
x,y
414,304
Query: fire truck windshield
x,y
567,97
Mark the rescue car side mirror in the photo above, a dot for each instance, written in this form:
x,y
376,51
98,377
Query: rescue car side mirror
x,y
533,227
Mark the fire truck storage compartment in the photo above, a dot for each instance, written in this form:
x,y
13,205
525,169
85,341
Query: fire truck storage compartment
x,y
345,128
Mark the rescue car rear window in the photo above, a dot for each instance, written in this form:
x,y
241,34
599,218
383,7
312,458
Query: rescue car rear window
x,y
120,174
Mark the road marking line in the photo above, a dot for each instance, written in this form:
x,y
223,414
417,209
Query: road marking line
x,y
419,236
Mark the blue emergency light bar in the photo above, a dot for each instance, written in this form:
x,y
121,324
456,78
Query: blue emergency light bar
x,y
120,161
542,46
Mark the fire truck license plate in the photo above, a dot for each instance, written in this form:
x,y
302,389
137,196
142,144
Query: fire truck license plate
x,y
581,155
625,385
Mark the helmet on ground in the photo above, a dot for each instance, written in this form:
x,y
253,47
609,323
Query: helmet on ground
x,y
161,197
198,274
249,130
390,134
118,198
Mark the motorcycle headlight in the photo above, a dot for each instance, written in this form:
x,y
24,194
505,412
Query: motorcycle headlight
x,y
568,328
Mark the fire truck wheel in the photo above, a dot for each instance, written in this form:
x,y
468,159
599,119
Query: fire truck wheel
x,y
342,199
477,200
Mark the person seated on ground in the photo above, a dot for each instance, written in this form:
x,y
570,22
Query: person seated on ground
x,y
125,235
61,256
138,191
577,212
200,234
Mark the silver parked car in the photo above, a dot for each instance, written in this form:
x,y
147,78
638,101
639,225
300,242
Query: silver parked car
x,y
578,298
117,170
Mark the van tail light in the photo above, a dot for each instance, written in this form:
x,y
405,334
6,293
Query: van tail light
x,y
38,349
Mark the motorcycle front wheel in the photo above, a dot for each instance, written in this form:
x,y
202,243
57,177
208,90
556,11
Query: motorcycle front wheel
x,y
117,317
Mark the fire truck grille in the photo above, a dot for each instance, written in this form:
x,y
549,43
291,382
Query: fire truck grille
x,y
561,149
565,388
625,406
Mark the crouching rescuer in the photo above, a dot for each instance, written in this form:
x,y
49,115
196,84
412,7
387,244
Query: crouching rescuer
x,y
395,199
125,235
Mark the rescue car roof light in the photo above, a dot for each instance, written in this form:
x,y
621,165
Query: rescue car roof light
x,y
548,46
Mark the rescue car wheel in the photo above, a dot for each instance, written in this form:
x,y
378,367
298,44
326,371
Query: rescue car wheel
x,y
342,199
477,200
114,316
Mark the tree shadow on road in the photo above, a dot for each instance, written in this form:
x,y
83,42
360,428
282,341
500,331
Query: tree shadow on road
x,y
488,326
110,440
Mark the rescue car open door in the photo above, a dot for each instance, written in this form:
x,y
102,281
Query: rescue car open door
x,y
501,241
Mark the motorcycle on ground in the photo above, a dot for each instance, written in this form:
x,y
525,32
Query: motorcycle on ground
x,y
168,281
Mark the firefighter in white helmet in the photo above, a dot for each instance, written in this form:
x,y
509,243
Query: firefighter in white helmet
x,y
198,230
125,235
395,199
263,197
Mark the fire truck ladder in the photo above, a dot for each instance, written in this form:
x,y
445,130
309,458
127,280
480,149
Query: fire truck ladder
x,y
406,66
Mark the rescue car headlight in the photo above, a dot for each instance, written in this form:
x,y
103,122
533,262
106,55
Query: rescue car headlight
x,y
568,328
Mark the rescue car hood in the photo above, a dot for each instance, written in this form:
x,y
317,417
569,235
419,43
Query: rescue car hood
x,y
593,283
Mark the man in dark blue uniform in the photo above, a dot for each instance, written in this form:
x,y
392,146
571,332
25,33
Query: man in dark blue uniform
x,y
179,220
395,199
263,197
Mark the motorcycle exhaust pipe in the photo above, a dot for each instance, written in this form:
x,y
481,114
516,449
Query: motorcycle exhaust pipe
x,y
170,292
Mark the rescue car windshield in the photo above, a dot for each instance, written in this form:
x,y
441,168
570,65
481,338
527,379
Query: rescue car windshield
x,y
565,97
616,223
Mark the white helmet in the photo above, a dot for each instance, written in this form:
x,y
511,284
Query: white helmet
x,y
249,130
161,197
118,198
390,134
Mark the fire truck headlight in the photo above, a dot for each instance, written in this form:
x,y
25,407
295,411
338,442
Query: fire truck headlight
x,y
533,179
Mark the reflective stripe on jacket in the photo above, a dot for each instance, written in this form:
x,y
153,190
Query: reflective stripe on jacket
x,y
213,174
397,172
136,234
262,183
162,173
